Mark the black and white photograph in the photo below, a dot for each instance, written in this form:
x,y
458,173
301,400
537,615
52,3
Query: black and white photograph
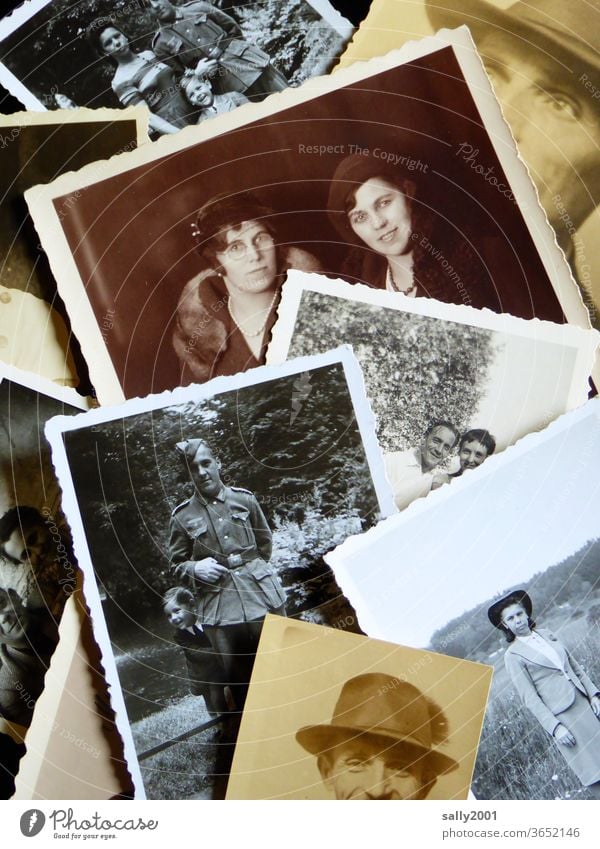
x,y
195,514
38,572
337,716
171,264
505,571
185,62
35,148
449,385
542,58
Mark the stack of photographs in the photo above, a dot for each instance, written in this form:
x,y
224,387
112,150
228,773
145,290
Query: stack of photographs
x,y
299,346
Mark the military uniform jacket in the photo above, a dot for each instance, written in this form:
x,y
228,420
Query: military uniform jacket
x,y
232,528
201,31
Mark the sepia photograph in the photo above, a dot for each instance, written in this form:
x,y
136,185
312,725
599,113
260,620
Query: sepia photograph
x,y
185,62
38,572
36,148
508,569
171,264
542,59
195,514
332,715
449,385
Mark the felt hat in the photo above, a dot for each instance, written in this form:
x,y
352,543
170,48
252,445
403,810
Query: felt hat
x,y
515,597
349,175
571,25
380,708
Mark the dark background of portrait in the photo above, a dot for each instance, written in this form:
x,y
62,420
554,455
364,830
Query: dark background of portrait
x,y
310,476
27,473
27,478
31,155
139,253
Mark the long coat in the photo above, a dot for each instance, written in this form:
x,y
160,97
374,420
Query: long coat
x,y
559,696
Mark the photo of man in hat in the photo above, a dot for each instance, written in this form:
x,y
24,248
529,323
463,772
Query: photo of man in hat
x,y
382,743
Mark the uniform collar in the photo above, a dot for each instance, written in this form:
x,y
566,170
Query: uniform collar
x,y
220,496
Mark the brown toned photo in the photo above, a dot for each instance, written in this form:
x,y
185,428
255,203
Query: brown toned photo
x,y
172,263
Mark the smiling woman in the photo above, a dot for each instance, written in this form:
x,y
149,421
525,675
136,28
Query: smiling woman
x,y
140,78
225,312
400,240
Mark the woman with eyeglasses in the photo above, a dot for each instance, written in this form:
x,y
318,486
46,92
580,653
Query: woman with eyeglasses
x,y
225,313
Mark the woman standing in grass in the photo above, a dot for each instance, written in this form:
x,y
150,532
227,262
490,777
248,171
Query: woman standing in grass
x,y
553,686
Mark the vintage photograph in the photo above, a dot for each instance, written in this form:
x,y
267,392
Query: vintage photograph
x,y
194,515
171,264
333,715
38,572
449,385
543,61
185,62
507,569
35,148
73,748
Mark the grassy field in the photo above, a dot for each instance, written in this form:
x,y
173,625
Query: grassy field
x,y
517,759
196,768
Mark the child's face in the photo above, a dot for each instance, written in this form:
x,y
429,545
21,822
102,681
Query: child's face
x,y
178,615
199,93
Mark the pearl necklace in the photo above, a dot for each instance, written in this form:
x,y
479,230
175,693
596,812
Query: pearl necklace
x,y
261,329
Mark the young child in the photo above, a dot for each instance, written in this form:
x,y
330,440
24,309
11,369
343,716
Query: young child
x,y
205,669
198,91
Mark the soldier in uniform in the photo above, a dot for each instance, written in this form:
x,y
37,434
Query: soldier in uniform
x,y
200,36
220,545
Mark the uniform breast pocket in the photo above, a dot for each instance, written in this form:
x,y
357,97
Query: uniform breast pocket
x,y
240,520
268,582
198,531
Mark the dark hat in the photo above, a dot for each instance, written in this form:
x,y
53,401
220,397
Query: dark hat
x,y
515,597
349,175
189,447
227,210
571,25
381,708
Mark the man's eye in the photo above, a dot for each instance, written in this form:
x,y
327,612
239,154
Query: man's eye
x,y
564,105
355,763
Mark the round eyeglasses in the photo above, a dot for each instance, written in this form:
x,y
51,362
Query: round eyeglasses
x,y
238,250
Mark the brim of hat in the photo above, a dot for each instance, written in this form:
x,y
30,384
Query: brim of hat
x,y
481,17
495,610
320,739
